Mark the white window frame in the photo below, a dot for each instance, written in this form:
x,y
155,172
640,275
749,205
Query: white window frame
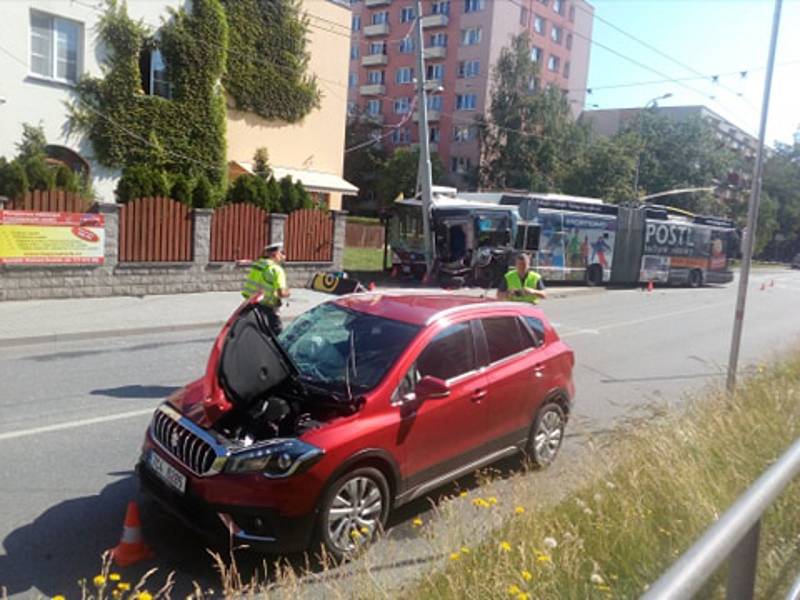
x,y
558,6
556,34
553,63
404,75
373,102
406,45
536,54
438,40
352,80
435,102
472,6
402,106
407,14
471,36
463,133
355,51
355,23
372,76
466,101
432,70
53,29
467,70
380,18
441,8
380,46
539,24
434,138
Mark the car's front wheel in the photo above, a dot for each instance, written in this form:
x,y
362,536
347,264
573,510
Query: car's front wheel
x,y
546,435
354,509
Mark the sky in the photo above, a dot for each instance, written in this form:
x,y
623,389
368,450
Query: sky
x,y
709,37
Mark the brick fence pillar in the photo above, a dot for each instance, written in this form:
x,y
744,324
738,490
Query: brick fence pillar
x,y
111,213
277,228
339,235
202,236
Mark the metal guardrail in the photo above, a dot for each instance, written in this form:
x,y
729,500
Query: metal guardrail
x,y
735,536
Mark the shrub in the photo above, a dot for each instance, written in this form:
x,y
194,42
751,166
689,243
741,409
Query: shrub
x,y
203,194
261,163
40,176
289,199
66,179
243,189
136,182
274,195
182,189
13,180
160,181
304,197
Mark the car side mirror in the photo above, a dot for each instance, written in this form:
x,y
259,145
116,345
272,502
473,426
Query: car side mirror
x,y
431,387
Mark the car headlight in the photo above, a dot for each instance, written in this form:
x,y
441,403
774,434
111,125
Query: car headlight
x,y
277,459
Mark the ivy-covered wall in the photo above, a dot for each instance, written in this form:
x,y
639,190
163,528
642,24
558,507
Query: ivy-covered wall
x,y
184,134
268,59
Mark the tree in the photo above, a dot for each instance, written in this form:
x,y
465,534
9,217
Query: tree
x,y
274,195
243,189
66,179
363,159
604,169
182,189
203,194
13,180
289,198
528,137
261,163
398,175
40,176
781,183
33,142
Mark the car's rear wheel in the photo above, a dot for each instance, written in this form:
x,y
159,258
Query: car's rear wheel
x,y
354,509
546,436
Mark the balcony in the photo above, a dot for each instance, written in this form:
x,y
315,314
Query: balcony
x,y
433,116
379,29
434,21
435,52
373,89
377,118
374,60
374,3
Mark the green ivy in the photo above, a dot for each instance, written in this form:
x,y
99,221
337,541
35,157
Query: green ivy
x,y
182,135
268,59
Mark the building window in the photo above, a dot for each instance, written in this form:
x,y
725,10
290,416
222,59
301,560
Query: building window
x,y
352,80
558,6
154,74
407,14
407,45
401,136
533,84
473,5
435,103
556,34
438,40
566,69
376,77
356,23
380,18
404,75
435,72
553,63
351,108
463,133
55,47
466,101
467,69
471,36
523,16
569,41
434,135
536,54
373,107
354,53
572,12
402,106
460,164
440,8
545,2
377,48
538,24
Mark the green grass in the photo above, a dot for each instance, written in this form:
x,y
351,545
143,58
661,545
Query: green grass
x,y
660,487
363,259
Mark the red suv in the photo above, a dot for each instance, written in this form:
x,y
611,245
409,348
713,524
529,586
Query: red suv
x,y
360,405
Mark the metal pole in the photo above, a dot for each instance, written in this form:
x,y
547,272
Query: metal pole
x,y
425,176
742,566
752,211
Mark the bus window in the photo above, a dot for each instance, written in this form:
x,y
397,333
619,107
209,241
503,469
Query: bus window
x,y
527,237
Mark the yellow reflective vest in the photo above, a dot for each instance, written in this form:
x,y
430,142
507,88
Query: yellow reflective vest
x,y
265,275
514,284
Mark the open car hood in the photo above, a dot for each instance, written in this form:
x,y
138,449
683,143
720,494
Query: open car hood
x,y
246,362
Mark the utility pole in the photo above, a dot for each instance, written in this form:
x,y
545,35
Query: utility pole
x,y
424,177
752,210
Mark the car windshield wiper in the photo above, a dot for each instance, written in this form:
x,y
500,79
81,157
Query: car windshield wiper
x,y
351,360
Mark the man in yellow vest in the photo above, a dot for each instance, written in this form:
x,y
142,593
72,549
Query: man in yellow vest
x,y
521,284
268,275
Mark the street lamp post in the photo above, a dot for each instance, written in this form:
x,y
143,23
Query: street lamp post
x,y
654,102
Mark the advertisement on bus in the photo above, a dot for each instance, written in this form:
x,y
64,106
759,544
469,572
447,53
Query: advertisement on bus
x,y
571,242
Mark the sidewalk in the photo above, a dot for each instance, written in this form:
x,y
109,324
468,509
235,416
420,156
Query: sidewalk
x,y
42,321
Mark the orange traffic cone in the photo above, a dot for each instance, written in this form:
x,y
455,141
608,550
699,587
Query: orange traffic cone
x,y
131,548
650,286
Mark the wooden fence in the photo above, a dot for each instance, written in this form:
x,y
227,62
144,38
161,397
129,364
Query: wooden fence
x,y
155,230
309,236
238,232
51,201
362,235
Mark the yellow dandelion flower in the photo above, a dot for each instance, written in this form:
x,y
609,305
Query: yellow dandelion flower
x,y
464,494
505,546
523,596
355,534
99,581
519,510
365,530
465,550
455,556
603,588
144,595
114,577
513,590
544,558
492,500
59,597
123,586
417,522
527,575
480,502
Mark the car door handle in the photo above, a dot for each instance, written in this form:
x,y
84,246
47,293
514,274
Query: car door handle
x,y
478,395
538,370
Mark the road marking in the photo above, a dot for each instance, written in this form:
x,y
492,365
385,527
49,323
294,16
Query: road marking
x,y
11,435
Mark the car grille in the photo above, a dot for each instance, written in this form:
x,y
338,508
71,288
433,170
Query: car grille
x,y
185,445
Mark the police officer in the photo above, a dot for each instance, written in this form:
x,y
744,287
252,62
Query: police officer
x,y
268,275
521,284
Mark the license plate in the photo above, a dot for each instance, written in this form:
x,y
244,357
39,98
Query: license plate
x,y
167,473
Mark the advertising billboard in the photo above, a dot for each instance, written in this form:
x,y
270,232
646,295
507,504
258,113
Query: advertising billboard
x,y
28,237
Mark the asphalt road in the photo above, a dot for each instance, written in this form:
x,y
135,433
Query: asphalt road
x,y
72,416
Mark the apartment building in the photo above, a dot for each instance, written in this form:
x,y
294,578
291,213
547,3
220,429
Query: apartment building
x,y
462,40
